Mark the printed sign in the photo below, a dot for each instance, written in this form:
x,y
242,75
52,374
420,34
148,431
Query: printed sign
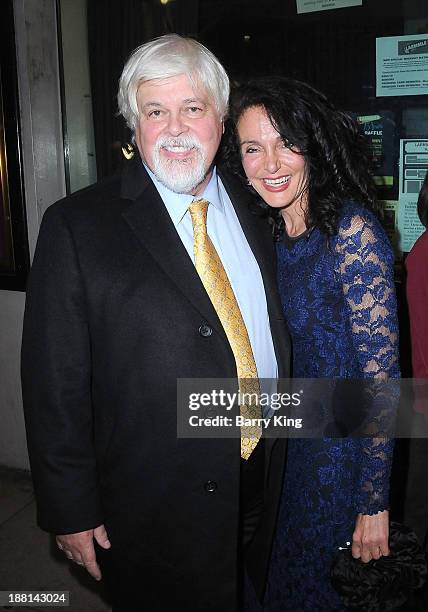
x,y
413,168
402,65
379,132
311,6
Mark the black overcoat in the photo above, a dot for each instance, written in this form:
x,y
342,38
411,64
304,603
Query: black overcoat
x,y
115,313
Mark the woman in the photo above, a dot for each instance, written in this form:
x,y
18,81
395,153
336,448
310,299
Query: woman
x,y
306,162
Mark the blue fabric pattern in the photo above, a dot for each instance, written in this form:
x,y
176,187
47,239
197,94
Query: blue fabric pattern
x,y
338,298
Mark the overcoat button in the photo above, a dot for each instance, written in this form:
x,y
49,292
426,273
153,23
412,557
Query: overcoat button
x,y
205,331
210,486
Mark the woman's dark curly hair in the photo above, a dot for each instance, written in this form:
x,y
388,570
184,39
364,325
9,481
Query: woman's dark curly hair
x,y
337,164
423,203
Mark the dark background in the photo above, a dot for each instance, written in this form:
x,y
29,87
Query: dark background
x,y
333,50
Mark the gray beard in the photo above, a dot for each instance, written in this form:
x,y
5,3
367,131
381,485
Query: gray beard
x,y
180,175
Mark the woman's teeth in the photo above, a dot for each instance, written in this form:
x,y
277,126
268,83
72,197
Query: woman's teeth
x,y
277,182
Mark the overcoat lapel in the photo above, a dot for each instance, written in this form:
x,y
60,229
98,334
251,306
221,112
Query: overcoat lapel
x,y
150,221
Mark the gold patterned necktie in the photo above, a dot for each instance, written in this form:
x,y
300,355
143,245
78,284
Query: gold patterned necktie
x,y
217,285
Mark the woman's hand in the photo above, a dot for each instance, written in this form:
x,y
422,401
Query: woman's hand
x,y
370,537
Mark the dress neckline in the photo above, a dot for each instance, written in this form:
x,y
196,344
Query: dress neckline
x,y
291,241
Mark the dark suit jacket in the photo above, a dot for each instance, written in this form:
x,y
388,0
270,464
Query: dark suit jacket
x,y
113,317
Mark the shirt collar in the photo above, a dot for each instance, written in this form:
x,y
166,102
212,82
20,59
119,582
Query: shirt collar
x,y
177,204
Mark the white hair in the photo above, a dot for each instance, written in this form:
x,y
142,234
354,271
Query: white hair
x,y
169,56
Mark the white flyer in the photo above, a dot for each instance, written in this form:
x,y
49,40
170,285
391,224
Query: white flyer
x,y
402,65
412,171
311,6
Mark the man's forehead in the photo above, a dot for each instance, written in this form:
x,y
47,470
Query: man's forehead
x,y
179,88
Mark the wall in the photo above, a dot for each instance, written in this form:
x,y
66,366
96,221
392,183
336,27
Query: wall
x,y
42,155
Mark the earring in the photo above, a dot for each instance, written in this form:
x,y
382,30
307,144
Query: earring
x,y
249,182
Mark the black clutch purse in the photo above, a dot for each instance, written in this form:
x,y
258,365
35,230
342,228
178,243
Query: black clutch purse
x,y
382,584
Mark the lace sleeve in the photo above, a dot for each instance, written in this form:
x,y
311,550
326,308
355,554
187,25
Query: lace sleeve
x,y
365,268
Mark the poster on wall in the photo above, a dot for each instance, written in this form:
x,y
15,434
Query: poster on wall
x,y
412,171
311,6
402,65
379,131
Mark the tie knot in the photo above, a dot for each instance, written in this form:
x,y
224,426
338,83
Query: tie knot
x,y
198,211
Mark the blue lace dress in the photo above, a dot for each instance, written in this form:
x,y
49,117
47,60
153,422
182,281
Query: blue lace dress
x,y
339,302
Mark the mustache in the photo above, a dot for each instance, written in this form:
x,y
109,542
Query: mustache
x,y
187,142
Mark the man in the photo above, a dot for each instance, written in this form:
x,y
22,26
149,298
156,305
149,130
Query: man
x,y
118,310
